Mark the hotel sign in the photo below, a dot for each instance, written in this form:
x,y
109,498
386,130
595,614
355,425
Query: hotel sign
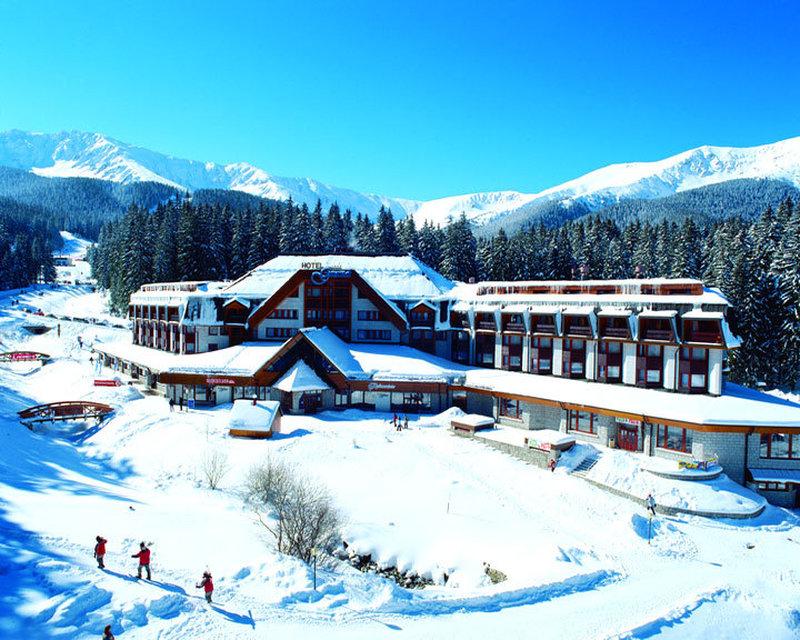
x,y
227,382
629,422
322,276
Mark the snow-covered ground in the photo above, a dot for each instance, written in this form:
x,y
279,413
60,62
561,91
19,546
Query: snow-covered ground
x,y
577,559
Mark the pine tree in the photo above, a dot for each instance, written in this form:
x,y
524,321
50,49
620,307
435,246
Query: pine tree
x,y
386,232
407,236
458,254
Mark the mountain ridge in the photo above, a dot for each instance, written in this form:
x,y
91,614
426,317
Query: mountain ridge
x,y
95,155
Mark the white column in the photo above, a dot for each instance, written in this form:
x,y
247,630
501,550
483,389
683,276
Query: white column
x,y
715,357
557,356
629,363
591,360
670,367
498,350
526,353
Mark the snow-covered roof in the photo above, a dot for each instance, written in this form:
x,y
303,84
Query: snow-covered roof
x,y
775,475
301,377
661,313
399,362
242,360
253,417
699,314
474,420
396,277
737,406
578,311
614,312
334,349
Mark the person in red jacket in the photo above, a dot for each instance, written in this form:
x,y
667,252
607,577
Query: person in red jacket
x,y
100,551
207,585
144,560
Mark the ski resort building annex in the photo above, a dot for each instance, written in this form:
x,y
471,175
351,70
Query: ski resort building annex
x,y
634,364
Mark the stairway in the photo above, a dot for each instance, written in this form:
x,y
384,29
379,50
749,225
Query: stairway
x,y
586,464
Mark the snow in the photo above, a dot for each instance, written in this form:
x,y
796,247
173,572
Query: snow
x,y
629,472
474,420
736,406
775,475
399,362
577,560
94,155
526,437
249,416
300,377
394,277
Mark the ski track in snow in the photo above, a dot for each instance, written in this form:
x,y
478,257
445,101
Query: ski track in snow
x,y
588,571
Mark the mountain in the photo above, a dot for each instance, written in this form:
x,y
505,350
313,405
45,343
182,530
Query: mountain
x,y
80,154
93,155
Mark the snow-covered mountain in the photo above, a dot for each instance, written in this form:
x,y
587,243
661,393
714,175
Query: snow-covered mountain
x,y
71,154
94,155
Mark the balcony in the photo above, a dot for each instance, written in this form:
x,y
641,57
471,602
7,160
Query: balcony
x,y
579,330
706,337
659,335
514,327
615,332
486,325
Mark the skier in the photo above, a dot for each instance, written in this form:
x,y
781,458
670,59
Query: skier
x,y
405,422
394,420
180,403
650,503
171,405
207,585
552,464
100,551
144,560
80,342
107,635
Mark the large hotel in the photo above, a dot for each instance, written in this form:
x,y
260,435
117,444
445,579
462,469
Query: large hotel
x,y
635,364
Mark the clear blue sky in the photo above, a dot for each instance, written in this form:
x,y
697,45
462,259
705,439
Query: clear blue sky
x,y
414,99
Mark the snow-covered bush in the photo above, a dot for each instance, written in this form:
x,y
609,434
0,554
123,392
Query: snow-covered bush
x,y
296,510
215,467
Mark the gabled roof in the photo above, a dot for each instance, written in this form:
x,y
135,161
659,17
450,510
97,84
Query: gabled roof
x,y
396,277
301,377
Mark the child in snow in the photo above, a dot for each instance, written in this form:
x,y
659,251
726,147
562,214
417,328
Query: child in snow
x,y
107,635
650,503
100,551
144,560
207,585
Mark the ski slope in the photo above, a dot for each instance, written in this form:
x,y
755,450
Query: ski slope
x,y
577,559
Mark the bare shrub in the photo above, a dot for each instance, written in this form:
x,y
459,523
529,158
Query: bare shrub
x,y
215,467
298,512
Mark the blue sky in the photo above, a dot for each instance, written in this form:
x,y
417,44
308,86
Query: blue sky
x,y
414,99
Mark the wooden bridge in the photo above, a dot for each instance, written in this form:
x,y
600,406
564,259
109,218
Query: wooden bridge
x,y
24,356
67,410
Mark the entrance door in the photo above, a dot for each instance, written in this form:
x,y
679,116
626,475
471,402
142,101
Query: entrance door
x,y
628,438
310,402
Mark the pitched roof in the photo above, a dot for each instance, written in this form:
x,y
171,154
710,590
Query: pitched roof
x,y
301,377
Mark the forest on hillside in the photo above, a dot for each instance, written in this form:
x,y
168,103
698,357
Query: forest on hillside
x,y
753,261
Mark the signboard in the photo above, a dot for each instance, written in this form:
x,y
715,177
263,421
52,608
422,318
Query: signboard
x,y
629,422
107,383
227,382
322,276
377,386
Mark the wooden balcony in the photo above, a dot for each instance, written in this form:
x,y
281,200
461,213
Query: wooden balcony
x,y
659,335
514,327
615,332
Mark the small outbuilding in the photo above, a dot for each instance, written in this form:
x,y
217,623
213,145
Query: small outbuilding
x,y
255,418
471,422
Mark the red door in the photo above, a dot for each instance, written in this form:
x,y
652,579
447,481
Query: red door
x,y
628,438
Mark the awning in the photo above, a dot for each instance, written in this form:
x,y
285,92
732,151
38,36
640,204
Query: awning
x,y
776,475
301,377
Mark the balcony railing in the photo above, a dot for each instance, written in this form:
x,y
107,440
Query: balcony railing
x,y
542,327
615,332
578,331
710,337
662,335
486,324
517,327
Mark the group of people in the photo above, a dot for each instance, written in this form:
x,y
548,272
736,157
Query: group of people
x,y
398,424
172,404
206,583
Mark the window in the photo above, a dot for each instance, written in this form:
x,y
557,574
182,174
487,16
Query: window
x,y
341,399
368,315
374,334
284,314
314,292
693,370
581,421
420,316
649,365
542,355
779,446
772,486
574,359
508,408
609,361
279,332
673,438
213,331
